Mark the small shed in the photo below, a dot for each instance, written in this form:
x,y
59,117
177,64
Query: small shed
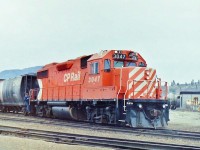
x,y
190,100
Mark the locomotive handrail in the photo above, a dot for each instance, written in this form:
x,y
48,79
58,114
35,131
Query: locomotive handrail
x,y
120,86
125,95
147,89
166,91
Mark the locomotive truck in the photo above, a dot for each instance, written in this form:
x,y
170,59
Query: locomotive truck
x,y
111,87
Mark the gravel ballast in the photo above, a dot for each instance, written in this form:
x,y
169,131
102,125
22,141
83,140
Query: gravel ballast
x,y
179,120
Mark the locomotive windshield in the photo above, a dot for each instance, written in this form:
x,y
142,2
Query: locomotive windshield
x,y
119,64
128,64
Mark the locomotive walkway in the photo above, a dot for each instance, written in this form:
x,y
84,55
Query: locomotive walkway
x,y
66,138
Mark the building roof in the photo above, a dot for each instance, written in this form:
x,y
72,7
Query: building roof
x,y
189,92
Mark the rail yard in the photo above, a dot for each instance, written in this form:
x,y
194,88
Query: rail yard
x,y
92,75
111,86
172,134
110,99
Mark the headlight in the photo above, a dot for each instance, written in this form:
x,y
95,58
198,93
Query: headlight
x,y
140,106
165,105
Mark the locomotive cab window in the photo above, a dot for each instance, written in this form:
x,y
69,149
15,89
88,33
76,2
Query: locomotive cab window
x,y
94,68
107,65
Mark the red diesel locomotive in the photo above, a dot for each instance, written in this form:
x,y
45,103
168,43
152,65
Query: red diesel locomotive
x,y
113,87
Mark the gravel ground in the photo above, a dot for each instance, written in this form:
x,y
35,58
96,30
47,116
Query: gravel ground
x,y
184,120
15,143
180,120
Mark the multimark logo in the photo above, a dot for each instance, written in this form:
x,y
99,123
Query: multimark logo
x,y
72,76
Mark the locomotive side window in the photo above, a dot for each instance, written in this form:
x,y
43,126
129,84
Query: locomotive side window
x,y
94,68
42,74
141,64
107,65
118,64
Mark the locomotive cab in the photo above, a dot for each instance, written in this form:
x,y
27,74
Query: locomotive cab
x,y
123,76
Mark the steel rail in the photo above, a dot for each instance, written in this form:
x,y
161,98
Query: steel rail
x,y
66,138
127,130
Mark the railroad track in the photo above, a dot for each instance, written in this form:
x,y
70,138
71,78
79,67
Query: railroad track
x,y
66,138
74,124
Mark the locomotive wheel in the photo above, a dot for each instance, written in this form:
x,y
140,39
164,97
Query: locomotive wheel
x,y
24,111
15,110
3,110
40,111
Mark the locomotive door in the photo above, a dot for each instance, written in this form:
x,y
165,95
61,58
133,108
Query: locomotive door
x,y
94,75
94,78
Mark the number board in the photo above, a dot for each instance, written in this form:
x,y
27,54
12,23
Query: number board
x,y
119,56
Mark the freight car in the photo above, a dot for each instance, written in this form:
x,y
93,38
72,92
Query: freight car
x,y
113,87
12,92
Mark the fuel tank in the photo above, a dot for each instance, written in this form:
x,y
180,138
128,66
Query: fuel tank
x,y
63,112
68,113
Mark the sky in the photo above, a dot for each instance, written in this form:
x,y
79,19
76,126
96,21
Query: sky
x,y
165,32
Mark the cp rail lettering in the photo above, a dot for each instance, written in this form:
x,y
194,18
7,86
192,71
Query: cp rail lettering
x,y
72,76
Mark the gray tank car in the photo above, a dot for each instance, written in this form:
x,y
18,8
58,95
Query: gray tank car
x,y
12,92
